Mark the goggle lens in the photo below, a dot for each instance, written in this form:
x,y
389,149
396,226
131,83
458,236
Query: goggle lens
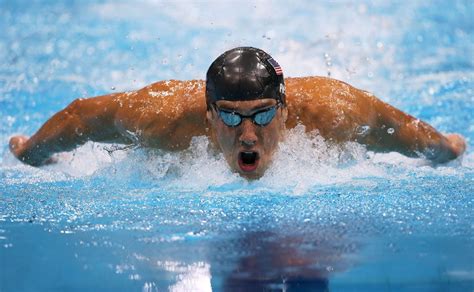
x,y
231,119
264,118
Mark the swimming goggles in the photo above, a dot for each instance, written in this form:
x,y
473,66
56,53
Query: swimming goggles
x,y
260,118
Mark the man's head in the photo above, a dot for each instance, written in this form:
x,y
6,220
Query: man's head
x,y
246,107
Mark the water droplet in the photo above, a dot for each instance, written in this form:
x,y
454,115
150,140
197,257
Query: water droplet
x,y
363,130
78,132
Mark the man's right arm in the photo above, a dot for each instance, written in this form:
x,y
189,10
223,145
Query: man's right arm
x,y
82,120
164,115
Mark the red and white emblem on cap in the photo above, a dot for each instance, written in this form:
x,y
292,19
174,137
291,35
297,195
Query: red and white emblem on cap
x,y
275,66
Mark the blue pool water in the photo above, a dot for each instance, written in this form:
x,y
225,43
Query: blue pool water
x,y
343,219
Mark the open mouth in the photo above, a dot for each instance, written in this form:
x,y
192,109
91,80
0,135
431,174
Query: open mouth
x,y
248,160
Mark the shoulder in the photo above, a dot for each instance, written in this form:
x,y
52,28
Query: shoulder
x,y
313,93
170,97
316,85
174,89
166,114
176,85
322,90
329,105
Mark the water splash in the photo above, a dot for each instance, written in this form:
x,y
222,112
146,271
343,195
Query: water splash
x,y
302,162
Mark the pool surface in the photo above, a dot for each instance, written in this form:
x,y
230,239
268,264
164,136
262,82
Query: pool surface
x,y
322,218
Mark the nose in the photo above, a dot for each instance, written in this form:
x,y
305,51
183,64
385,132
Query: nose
x,y
248,137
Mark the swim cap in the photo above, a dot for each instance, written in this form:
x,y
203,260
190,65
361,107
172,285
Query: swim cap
x,y
244,73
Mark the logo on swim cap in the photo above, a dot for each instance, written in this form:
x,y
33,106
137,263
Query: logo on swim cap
x,y
275,66
282,88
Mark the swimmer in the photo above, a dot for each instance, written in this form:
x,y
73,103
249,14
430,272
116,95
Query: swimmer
x,y
244,107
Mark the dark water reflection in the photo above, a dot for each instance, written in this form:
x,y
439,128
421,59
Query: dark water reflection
x,y
274,261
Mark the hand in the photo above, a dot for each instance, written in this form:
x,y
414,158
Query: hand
x,y
457,143
17,145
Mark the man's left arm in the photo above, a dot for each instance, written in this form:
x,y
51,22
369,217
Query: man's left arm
x,y
394,130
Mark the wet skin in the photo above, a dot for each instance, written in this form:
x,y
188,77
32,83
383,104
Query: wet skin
x,y
168,114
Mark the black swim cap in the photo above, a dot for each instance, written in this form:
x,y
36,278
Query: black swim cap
x,y
244,73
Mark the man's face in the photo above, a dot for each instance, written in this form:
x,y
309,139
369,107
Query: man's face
x,y
248,147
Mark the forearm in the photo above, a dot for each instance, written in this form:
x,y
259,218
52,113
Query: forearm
x,y
81,121
395,130
56,135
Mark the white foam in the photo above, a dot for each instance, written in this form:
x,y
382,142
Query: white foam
x,y
303,161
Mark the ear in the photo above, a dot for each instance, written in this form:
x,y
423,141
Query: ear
x,y
209,116
284,114
210,129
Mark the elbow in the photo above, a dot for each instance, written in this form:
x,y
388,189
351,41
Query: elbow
x,y
76,123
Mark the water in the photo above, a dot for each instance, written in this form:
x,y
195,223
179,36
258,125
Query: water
x,y
322,217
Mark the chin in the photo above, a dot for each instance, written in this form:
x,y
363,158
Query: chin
x,y
251,175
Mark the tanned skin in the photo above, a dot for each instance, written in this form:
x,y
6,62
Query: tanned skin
x,y
168,114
